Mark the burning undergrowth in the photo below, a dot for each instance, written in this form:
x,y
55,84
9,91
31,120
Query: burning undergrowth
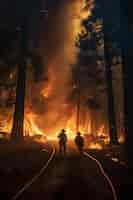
x,y
50,102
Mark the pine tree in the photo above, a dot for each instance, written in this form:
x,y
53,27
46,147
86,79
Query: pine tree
x,y
107,44
24,13
18,121
126,41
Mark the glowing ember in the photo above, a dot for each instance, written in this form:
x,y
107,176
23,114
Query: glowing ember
x,y
121,138
104,137
95,146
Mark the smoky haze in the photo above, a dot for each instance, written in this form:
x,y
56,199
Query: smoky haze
x,y
59,34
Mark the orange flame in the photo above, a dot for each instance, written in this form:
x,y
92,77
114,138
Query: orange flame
x,y
46,91
95,146
30,127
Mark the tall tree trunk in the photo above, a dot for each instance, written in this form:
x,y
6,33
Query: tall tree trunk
x,y
92,121
126,34
78,110
128,101
107,29
18,120
110,95
26,13
101,12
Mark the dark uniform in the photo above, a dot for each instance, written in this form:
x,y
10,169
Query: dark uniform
x,y
62,142
79,141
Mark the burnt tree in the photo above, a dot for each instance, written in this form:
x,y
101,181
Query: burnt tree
x,y
110,94
27,13
104,12
18,121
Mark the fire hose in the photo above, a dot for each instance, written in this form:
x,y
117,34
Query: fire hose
x,y
104,174
29,183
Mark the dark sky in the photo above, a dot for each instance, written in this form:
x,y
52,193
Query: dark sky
x,y
51,3
14,13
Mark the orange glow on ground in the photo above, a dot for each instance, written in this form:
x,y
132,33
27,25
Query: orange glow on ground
x,y
121,138
95,146
31,129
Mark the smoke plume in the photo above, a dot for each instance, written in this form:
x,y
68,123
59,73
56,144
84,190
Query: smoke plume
x,y
59,34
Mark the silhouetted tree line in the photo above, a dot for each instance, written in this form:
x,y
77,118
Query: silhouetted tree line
x,y
124,38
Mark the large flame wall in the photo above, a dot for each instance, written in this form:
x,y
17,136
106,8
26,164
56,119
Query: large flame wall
x,y
60,31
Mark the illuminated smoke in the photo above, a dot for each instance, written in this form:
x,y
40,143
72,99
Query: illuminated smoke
x,y
48,107
59,53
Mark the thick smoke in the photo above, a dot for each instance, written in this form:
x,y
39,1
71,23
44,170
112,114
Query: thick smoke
x,y
60,32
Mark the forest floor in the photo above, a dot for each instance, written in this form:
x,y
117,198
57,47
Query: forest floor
x,y
118,169
18,164
73,176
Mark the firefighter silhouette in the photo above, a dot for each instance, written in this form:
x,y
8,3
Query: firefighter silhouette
x,y
79,141
62,142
